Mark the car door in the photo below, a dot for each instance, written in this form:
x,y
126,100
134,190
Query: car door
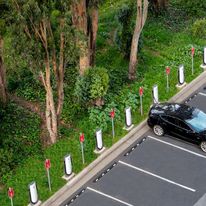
x,y
169,123
185,132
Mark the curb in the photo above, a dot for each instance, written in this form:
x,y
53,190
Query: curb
x,y
117,149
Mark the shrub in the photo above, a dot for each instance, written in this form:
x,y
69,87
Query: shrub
x,y
199,28
99,81
193,7
99,117
93,85
19,137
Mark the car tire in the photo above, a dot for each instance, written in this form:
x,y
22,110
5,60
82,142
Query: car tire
x,y
203,146
158,130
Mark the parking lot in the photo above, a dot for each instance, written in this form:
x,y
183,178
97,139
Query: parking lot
x,y
156,171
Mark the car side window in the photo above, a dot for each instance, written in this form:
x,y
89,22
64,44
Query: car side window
x,y
181,124
169,119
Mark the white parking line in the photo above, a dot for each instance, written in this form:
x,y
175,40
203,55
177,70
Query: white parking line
x,y
203,94
113,198
157,176
178,147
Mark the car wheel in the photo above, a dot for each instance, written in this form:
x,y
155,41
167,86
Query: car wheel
x,y
159,131
203,146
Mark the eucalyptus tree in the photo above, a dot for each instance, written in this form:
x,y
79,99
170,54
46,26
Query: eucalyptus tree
x,y
85,20
3,88
141,16
44,38
159,5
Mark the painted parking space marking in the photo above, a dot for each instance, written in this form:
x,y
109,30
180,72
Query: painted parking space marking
x,y
157,176
203,94
178,147
109,196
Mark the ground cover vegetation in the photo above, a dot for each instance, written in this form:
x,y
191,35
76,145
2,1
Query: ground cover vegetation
x,y
71,46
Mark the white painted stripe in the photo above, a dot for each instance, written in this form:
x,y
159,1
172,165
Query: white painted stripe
x,y
108,196
157,176
203,94
178,147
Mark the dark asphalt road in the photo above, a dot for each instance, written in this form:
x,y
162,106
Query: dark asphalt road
x,y
159,172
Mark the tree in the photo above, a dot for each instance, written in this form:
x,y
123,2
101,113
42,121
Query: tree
x,y
93,28
3,90
142,9
3,87
43,37
85,19
159,5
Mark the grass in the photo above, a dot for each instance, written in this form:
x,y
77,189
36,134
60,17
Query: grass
x,y
166,42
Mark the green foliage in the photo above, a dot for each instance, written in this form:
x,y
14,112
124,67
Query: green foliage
x,y
193,7
99,81
82,89
124,33
22,137
199,28
93,85
126,98
126,17
99,117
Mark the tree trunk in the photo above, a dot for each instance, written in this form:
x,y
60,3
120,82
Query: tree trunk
x,y
140,21
3,90
50,113
60,81
51,116
159,5
93,33
79,19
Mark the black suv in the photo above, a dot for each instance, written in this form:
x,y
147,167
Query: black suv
x,y
183,121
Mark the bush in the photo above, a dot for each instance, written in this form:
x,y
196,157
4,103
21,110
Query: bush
x,y
193,7
19,137
199,28
99,81
100,117
93,85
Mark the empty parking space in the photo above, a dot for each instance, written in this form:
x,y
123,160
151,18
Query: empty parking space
x,y
91,197
170,161
153,173
139,188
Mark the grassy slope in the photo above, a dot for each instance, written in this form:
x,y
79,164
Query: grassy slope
x,y
166,42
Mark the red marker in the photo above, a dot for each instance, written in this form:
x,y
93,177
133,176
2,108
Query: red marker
x,y
47,164
11,192
141,91
192,51
112,114
81,137
167,70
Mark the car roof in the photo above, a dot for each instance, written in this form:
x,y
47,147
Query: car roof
x,y
181,111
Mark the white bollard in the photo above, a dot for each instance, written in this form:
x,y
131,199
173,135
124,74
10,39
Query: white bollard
x,y
204,56
181,77
99,142
155,94
33,193
128,118
68,165
203,65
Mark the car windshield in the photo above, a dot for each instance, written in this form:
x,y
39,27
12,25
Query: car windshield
x,y
198,120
